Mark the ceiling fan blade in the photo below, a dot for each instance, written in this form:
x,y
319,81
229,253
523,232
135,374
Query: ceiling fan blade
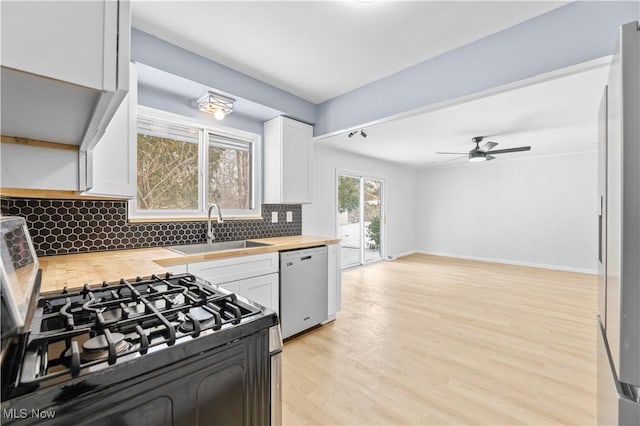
x,y
457,153
490,157
487,146
503,151
453,159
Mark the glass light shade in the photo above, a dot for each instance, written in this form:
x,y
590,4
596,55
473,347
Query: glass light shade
x,y
217,105
477,159
219,114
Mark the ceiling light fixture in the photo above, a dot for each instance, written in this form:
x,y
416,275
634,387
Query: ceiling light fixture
x,y
216,104
477,157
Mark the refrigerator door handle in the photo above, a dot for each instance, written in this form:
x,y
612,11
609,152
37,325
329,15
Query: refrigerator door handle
x,y
615,407
600,231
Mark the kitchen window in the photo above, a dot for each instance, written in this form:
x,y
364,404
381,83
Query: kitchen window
x,y
183,166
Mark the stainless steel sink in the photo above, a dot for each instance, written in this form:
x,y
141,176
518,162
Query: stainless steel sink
x,y
219,246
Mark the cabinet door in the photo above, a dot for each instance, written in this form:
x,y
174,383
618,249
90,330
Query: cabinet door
x,y
67,41
297,157
232,286
263,290
334,281
288,157
112,164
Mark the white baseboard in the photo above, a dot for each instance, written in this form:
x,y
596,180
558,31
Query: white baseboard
x,y
397,255
512,262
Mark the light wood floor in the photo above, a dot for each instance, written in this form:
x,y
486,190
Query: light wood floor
x,y
435,340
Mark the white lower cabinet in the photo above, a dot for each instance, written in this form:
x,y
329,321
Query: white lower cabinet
x,y
229,269
257,278
233,286
335,281
263,289
254,277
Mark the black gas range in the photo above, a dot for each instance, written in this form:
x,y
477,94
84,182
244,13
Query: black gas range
x,y
159,350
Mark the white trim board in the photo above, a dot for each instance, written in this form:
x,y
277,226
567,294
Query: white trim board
x,y
512,262
392,257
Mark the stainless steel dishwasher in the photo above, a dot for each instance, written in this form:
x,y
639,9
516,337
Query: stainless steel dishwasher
x,y
303,289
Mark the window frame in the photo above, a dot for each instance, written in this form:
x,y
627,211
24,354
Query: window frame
x,y
204,130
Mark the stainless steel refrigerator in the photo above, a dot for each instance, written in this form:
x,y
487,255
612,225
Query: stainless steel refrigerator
x,y
619,231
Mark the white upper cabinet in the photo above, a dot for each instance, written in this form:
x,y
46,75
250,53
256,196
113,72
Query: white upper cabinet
x,y
64,68
111,165
288,161
65,41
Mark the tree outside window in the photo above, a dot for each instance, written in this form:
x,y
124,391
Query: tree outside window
x,y
170,157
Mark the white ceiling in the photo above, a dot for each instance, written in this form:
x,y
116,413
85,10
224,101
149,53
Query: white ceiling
x,y
318,50
553,117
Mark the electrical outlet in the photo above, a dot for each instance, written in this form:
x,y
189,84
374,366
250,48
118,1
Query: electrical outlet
x,y
274,217
289,216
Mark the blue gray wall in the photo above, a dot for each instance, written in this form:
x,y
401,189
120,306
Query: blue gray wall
x,y
164,101
165,56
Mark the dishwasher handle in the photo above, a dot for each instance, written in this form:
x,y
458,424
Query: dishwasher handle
x,y
290,262
295,257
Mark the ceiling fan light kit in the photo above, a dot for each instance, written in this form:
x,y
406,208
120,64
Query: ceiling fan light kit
x,y
478,157
484,152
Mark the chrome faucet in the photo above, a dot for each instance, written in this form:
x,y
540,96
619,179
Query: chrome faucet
x,y
210,236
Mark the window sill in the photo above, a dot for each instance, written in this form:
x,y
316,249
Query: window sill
x,y
189,219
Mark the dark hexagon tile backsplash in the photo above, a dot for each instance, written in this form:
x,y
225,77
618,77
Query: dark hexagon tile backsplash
x,y
75,226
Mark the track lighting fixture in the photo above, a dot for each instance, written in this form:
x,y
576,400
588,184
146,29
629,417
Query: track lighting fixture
x,y
355,132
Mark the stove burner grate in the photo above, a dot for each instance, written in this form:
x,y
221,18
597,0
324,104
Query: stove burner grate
x,y
96,325
99,347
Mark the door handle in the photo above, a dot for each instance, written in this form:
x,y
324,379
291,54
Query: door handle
x,y
600,238
305,258
600,230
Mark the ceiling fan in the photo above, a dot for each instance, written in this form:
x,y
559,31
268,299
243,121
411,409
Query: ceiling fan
x,y
484,152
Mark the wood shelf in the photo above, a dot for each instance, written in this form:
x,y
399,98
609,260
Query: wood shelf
x,y
56,194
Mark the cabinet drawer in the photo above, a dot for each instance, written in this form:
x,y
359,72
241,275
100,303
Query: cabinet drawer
x,y
235,268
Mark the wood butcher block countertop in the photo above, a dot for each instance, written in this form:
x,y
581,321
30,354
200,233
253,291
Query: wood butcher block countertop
x,y
75,270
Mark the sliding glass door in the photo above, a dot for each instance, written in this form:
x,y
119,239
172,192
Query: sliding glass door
x,y
372,211
360,218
